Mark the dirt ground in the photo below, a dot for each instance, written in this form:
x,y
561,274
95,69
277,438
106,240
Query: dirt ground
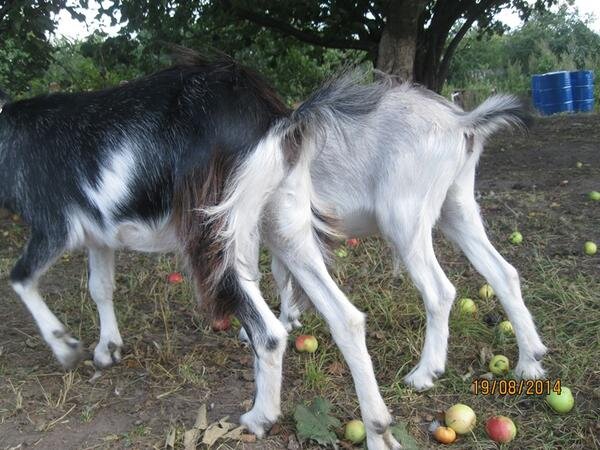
x,y
174,363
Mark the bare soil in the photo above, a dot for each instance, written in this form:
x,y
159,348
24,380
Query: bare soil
x,y
174,363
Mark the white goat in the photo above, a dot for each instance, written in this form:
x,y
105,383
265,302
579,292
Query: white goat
x,y
409,165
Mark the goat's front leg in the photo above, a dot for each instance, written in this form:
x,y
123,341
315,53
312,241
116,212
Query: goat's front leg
x,y
101,286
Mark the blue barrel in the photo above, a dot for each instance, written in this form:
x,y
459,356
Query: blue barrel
x,y
552,92
582,83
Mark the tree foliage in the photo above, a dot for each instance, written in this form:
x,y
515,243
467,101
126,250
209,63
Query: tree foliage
x,y
395,34
24,29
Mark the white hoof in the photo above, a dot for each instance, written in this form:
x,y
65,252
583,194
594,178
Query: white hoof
x,y
421,379
257,423
107,354
243,336
530,369
67,349
383,441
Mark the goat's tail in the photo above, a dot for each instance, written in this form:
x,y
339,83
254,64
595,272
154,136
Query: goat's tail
x,y
495,113
229,225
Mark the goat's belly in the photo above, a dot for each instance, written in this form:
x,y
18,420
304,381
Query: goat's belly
x,y
144,237
357,223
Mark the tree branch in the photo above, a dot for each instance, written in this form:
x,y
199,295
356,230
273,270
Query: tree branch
x,y
304,36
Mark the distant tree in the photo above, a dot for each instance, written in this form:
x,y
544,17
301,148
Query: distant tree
x,y
414,39
24,30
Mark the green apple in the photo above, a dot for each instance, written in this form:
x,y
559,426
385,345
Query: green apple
x,y
594,196
486,292
579,164
355,431
499,365
515,238
506,328
561,403
467,306
590,248
460,418
341,252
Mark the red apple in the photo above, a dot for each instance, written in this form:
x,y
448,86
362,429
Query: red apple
x,y
444,435
352,242
306,343
221,324
500,429
175,278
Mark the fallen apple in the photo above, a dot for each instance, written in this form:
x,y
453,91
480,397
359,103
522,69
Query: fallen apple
x,y
460,418
175,278
500,429
306,343
594,196
467,306
444,435
561,403
579,164
355,431
506,328
486,292
515,238
221,324
499,365
352,242
590,248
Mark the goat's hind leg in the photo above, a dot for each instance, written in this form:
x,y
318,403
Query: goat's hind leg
x,y
40,253
101,285
462,224
291,309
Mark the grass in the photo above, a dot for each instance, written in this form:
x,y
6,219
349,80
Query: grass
x,y
173,362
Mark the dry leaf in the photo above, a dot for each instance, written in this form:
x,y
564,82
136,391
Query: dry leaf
x,y
215,431
235,434
248,438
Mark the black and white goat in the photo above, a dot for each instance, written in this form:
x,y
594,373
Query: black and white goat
x,y
409,164
189,159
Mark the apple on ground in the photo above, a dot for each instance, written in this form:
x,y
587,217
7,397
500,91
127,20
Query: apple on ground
x,y
461,418
175,278
467,306
590,248
579,164
499,365
352,242
444,435
486,292
594,196
500,429
506,328
306,343
561,403
355,431
221,324
515,238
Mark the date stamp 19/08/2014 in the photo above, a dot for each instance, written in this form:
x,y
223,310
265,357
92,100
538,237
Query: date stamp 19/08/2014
x,y
482,386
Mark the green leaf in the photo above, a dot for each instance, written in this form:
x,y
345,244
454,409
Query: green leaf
x,y
405,439
314,422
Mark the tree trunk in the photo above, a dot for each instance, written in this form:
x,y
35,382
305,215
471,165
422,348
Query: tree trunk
x,y
398,44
